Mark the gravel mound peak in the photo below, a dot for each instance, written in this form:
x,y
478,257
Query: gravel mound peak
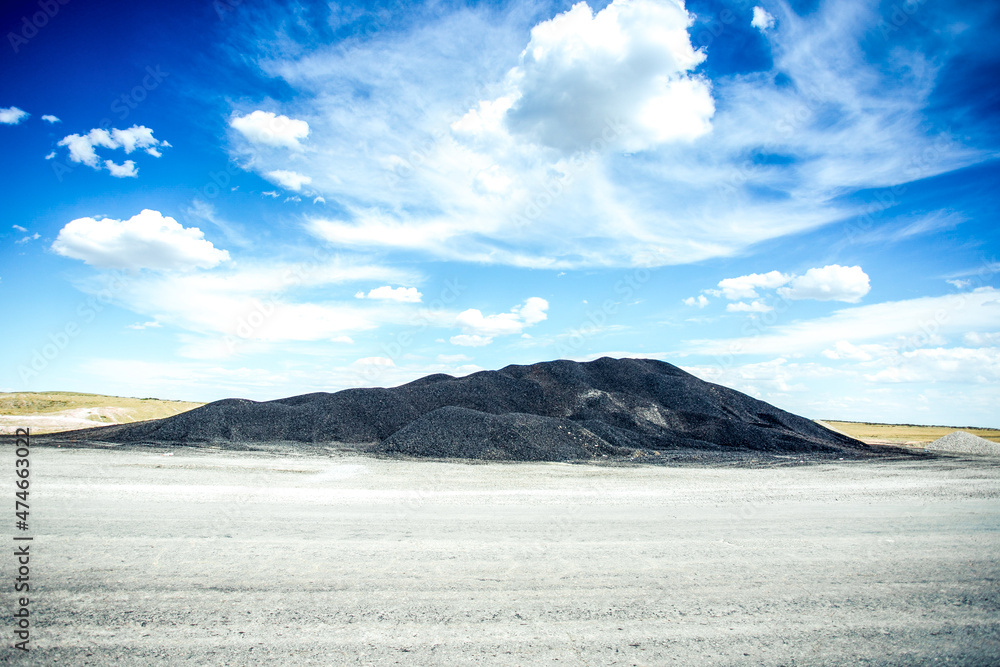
x,y
963,442
552,411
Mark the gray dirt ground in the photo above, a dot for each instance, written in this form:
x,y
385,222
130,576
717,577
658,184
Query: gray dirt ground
x,y
211,557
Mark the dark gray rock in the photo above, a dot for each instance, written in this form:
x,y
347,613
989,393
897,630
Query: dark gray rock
x,y
559,410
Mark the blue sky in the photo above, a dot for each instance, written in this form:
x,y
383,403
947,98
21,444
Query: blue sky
x,y
794,199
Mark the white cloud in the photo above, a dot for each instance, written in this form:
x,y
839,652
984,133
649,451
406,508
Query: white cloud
x,y
470,340
289,180
49,118
319,200
830,283
19,228
759,379
845,350
929,365
701,301
270,193
50,155
124,170
762,20
82,148
204,211
137,136
624,69
910,323
959,283
479,329
139,326
502,324
254,307
148,240
30,238
12,115
978,339
401,294
745,287
753,307
533,310
265,127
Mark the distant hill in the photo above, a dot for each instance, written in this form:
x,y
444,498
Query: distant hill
x,y
55,411
559,410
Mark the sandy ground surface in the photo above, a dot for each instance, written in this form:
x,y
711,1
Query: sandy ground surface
x,y
245,558
64,420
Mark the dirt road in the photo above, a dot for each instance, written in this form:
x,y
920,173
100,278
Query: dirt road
x,y
223,557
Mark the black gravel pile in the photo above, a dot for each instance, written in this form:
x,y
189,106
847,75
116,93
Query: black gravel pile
x,y
553,411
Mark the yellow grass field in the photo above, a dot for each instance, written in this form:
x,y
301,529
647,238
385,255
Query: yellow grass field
x,y
55,411
903,434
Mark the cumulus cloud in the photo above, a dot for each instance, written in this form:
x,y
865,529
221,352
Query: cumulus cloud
x,y
83,147
479,329
622,71
401,294
762,20
470,340
148,240
701,301
125,170
265,127
12,115
830,283
49,118
745,287
289,180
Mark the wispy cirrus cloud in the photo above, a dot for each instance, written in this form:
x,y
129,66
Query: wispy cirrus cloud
x,y
670,169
